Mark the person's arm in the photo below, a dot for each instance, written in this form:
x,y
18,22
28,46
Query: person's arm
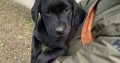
x,y
104,48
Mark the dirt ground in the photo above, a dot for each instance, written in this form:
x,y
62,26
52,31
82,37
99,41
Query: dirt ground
x,y
15,33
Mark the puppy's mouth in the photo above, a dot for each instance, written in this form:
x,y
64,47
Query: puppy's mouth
x,y
60,33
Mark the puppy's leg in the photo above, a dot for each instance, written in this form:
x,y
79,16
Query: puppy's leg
x,y
36,49
49,55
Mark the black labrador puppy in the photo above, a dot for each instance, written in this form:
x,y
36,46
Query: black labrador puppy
x,y
55,23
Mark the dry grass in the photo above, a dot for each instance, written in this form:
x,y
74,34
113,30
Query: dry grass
x,y
15,33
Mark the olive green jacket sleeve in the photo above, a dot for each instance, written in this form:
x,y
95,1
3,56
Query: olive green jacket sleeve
x,y
105,47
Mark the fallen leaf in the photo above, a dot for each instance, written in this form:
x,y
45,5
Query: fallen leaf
x,y
2,45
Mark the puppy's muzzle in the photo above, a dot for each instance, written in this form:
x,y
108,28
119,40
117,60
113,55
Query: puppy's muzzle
x,y
60,30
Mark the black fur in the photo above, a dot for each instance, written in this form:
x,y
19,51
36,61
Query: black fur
x,y
54,14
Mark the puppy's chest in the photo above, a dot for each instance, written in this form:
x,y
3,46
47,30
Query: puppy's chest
x,y
48,44
50,41
44,47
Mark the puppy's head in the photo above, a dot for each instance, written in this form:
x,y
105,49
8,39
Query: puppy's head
x,y
57,15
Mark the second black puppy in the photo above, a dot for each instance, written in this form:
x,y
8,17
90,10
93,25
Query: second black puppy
x,y
58,22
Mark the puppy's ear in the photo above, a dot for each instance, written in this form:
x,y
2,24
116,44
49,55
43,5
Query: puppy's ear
x,y
78,14
77,9
35,10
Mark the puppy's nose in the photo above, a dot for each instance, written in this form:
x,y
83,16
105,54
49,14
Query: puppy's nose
x,y
60,30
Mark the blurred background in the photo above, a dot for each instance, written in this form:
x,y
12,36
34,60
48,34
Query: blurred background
x,y
15,31
30,3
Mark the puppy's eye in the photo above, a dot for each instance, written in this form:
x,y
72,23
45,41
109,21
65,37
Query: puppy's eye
x,y
47,11
66,9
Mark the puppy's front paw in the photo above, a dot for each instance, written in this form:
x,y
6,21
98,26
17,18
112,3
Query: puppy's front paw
x,y
42,59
